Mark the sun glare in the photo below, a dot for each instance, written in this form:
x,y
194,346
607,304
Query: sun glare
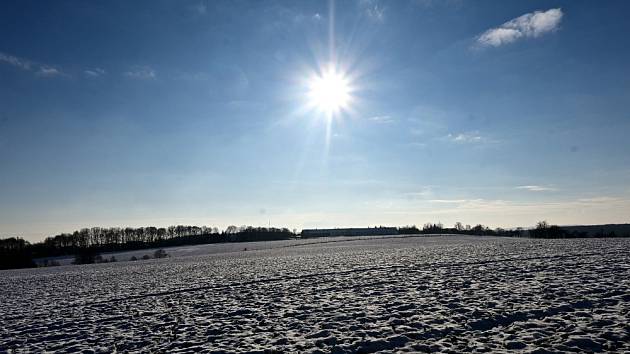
x,y
329,92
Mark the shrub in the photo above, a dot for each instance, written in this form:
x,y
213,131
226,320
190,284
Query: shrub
x,y
146,256
160,254
133,258
85,257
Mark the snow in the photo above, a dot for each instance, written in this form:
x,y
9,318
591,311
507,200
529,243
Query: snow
x,y
339,295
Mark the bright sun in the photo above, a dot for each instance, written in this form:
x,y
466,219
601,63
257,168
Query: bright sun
x,y
329,92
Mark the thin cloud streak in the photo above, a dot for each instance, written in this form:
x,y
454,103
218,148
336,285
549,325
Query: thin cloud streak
x,y
384,119
47,71
93,73
472,137
42,70
141,73
534,188
15,61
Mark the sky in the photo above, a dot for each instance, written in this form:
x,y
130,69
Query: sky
x,y
137,113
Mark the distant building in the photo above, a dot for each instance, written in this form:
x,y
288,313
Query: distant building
x,y
357,231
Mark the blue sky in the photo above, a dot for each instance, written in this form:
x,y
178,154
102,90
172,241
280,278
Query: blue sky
x,y
139,113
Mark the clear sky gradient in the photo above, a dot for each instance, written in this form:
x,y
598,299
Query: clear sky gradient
x,y
135,113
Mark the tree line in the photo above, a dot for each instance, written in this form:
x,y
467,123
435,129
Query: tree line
x,y
129,238
16,252
544,230
459,228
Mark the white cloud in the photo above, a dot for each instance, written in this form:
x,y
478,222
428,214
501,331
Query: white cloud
x,y
498,36
96,72
141,73
47,71
530,25
384,119
373,9
42,70
467,138
15,61
533,188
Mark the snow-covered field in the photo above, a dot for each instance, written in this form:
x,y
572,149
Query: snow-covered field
x,y
414,294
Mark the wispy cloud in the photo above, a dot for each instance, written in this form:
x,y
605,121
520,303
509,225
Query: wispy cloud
x,y
534,188
530,25
472,137
373,9
48,71
93,73
384,119
141,73
15,61
42,70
